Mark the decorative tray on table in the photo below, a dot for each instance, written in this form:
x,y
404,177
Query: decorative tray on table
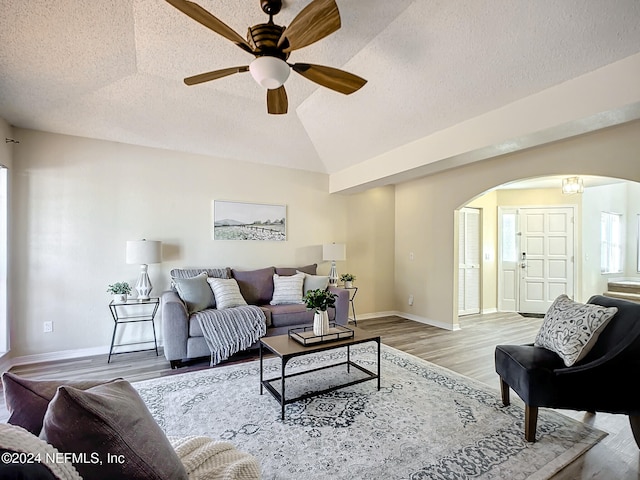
x,y
305,335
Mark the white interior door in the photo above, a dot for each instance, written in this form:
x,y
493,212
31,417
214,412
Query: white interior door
x,y
469,261
546,256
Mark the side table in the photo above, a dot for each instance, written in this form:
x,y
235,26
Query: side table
x,y
122,314
353,291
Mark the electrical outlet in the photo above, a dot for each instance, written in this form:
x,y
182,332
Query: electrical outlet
x,y
48,327
410,300
411,256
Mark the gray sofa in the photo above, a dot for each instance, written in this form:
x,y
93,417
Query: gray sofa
x,y
183,336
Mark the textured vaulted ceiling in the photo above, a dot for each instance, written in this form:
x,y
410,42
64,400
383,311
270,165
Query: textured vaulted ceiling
x,y
113,69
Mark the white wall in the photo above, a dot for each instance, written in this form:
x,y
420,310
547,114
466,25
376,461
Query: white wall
x,y
77,202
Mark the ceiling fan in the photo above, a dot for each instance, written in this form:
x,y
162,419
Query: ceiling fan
x,y
271,44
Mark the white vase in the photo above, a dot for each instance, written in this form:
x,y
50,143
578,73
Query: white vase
x,y
321,322
348,284
119,297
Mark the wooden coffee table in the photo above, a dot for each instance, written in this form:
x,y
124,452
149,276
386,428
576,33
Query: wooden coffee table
x,y
287,348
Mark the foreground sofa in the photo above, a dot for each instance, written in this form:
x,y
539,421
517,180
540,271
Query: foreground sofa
x,y
183,336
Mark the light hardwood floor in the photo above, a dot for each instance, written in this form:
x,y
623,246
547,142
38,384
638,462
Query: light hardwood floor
x,y
468,351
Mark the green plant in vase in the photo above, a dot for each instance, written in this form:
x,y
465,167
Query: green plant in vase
x,y
319,301
347,279
119,290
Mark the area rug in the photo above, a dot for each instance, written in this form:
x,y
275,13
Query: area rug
x,y
426,422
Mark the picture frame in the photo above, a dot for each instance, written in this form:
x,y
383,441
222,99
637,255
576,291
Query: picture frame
x,y
249,221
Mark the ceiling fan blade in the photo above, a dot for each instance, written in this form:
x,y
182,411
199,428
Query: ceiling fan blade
x,y
205,18
277,103
317,20
207,77
338,80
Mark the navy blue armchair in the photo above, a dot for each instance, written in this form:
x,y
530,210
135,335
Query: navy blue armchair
x,y
603,381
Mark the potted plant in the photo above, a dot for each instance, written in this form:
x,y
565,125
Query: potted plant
x,y
119,290
348,279
319,301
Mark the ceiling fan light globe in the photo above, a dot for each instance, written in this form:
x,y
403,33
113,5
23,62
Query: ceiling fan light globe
x,y
270,72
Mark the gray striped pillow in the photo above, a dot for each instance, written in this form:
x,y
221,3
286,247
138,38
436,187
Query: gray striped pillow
x,y
227,292
287,290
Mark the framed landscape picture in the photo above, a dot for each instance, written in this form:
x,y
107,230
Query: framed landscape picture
x,y
249,221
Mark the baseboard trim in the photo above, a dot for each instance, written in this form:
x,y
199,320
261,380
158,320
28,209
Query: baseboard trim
x,y
60,355
428,321
489,310
368,316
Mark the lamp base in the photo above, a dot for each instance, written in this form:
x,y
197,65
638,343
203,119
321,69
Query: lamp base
x,y
143,287
333,274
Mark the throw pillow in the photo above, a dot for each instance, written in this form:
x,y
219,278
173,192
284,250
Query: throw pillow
x,y
287,290
286,271
227,292
315,282
571,329
195,292
110,426
27,400
256,286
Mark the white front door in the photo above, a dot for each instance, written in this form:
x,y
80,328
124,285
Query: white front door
x,y
536,257
469,261
546,256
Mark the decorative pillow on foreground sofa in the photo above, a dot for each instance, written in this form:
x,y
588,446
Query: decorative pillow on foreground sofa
x,y
192,320
104,431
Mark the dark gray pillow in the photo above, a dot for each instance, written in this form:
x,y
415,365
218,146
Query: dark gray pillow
x,y
27,400
256,286
110,419
195,292
286,271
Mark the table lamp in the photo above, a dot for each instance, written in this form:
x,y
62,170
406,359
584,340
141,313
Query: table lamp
x,y
143,252
334,252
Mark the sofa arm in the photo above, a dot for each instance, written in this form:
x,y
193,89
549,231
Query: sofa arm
x,y
175,326
342,305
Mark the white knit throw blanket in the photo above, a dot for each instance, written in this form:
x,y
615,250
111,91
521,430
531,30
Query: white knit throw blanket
x,y
231,330
207,459
17,439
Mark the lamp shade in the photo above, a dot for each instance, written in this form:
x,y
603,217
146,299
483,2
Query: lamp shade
x,y
270,72
334,251
144,252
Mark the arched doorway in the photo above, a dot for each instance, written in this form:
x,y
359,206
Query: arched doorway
x,y
502,245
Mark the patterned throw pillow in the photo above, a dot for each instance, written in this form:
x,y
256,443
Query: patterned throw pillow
x,y
571,329
287,289
227,292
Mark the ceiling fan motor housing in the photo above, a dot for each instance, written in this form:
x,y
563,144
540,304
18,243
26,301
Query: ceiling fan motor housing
x,y
264,37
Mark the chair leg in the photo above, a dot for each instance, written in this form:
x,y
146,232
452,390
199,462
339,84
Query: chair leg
x,y
634,420
530,422
504,390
